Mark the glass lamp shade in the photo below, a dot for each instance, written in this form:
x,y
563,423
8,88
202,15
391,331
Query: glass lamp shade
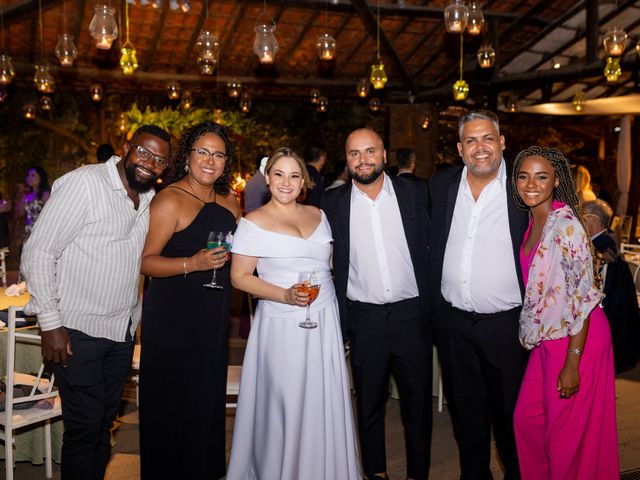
x,y
245,103
103,26
456,16
29,111
66,50
314,95
265,45
615,41
187,100
45,103
486,56
128,60
96,92
375,104
362,88
326,46
7,71
208,49
173,90
612,69
378,77
460,90
43,80
425,123
323,104
234,87
476,19
578,102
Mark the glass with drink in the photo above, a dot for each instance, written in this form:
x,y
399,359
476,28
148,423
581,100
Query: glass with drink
x,y
309,284
215,240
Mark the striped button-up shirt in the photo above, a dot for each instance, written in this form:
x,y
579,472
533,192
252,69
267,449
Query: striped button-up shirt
x,y
82,260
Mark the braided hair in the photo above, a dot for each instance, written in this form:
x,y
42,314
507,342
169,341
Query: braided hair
x,y
565,191
183,150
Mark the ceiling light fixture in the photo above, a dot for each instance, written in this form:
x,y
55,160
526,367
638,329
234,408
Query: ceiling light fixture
x,y
326,44
43,79
96,92
7,71
460,87
456,16
486,56
265,45
66,50
362,88
103,26
173,90
378,77
476,19
128,60
578,101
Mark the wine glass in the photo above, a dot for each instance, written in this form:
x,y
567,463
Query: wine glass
x,y
215,240
309,284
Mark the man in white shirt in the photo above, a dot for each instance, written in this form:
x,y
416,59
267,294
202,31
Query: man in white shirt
x,y
82,265
379,226
475,237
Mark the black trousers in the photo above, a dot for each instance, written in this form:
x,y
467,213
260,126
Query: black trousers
x,y
90,388
392,338
482,368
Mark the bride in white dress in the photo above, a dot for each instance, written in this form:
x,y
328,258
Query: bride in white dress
x,y
294,419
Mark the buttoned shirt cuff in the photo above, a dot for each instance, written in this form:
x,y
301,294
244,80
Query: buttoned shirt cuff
x,y
49,321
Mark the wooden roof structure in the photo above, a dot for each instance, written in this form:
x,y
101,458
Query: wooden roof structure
x,y
420,57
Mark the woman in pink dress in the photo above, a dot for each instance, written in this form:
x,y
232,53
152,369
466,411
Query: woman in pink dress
x,y
565,419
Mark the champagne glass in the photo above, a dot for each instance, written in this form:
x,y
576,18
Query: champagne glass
x,y
215,240
309,284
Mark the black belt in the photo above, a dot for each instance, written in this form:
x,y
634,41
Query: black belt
x,y
409,302
479,316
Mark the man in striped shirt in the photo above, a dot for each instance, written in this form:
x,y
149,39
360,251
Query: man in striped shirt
x,y
82,265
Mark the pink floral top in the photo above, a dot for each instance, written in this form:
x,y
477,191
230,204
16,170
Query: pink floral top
x,y
560,292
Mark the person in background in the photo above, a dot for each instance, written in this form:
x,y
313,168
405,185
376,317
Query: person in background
x,y
342,175
565,418
582,180
82,265
104,152
185,325
406,162
35,196
256,191
316,157
620,301
5,235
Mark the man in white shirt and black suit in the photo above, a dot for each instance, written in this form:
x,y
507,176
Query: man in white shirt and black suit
x,y
379,226
475,237
82,265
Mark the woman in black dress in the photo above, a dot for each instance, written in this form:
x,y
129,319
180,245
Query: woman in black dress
x,y
183,367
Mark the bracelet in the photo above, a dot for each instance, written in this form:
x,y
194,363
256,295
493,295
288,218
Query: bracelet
x,y
575,351
184,265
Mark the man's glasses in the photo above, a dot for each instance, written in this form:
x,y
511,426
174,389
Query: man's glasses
x,y
203,154
146,155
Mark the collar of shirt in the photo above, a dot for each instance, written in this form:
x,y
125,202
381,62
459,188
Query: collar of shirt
x,y
500,179
593,237
117,185
387,189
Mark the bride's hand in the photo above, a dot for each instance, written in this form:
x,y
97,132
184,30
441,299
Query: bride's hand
x,y
293,296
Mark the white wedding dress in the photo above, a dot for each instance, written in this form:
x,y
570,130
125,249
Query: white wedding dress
x,y
294,419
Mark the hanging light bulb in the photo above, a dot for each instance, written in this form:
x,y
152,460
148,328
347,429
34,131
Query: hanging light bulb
x,y
265,45
123,123
314,95
103,26
362,88
615,41
43,79
66,50
29,111
96,92
578,102
323,104
612,69
234,87
245,102
7,71
3,94
512,103
187,100
375,104
326,47
486,56
378,77
456,16
460,87
476,19
208,50
425,123
128,60
185,6
173,90
45,103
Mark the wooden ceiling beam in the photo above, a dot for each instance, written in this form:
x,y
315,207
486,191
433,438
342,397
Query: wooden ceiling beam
x,y
194,36
151,54
26,9
308,26
77,27
371,24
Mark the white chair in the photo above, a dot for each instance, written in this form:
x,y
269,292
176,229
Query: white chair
x,y
3,265
631,253
234,372
41,389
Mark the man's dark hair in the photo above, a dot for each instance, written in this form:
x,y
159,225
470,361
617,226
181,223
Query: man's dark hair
x,y
314,151
404,157
104,152
152,130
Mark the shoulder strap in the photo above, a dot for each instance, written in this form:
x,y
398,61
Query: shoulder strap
x,y
188,192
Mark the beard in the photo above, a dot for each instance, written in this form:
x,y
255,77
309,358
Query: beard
x,y
135,184
369,178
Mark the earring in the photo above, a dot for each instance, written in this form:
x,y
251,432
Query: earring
x,y
186,167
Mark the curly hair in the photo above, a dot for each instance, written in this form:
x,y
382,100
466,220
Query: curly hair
x,y
565,191
183,150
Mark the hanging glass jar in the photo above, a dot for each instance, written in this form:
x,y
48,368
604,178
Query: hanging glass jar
x,y
475,21
43,79
362,88
128,60
187,100
245,103
612,69
486,56
456,16
460,90
578,102
378,77
323,104
375,104
103,26
173,90
314,95
66,50
29,111
326,47
234,87
208,49
265,45
615,41
96,92
45,103
7,72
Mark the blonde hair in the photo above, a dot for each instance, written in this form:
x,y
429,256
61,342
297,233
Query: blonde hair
x,y
287,152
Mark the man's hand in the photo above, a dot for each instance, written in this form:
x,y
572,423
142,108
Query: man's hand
x,y
56,346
